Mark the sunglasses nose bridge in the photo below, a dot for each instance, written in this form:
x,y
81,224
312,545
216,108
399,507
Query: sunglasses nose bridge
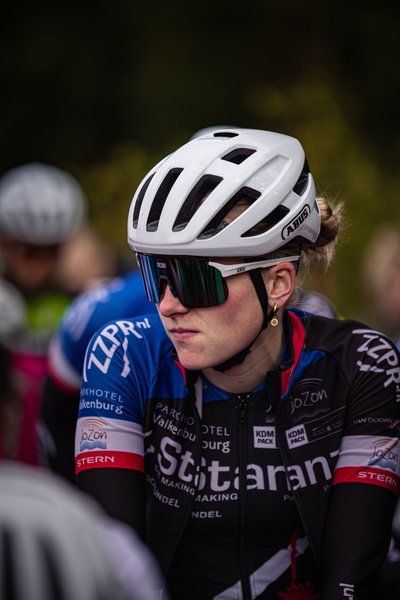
x,y
163,282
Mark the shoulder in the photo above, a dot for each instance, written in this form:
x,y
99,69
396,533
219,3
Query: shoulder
x,y
357,348
326,332
119,298
128,345
146,328
127,361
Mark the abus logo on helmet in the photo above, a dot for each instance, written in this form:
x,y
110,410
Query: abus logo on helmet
x,y
161,265
296,222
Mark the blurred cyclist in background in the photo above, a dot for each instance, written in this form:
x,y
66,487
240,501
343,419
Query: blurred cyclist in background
x,y
84,262
41,208
51,536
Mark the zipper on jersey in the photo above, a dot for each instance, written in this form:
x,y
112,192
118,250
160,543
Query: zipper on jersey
x,y
243,498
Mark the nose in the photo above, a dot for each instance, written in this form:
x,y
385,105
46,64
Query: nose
x,y
170,304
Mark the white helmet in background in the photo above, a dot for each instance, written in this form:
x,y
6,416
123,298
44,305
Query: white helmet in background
x,y
180,207
40,204
56,543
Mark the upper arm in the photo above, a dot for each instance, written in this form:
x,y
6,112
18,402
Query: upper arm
x,y
120,492
367,475
109,441
109,432
369,451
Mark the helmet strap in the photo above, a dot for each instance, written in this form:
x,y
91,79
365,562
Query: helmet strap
x,y
259,286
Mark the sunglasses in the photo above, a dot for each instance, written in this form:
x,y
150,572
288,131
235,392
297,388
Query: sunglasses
x,y
196,283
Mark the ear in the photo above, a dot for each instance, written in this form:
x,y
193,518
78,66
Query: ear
x,y
279,283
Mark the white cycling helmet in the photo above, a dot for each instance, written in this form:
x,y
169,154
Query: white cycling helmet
x,y
180,207
49,545
40,204
56,543
208,130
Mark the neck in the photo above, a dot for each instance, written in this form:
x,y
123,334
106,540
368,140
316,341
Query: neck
x,y
265,356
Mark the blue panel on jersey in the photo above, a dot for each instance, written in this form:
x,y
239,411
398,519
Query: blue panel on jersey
x,y
120,366
122,297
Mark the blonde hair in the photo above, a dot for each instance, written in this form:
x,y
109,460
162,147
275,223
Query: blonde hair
x,y
323,250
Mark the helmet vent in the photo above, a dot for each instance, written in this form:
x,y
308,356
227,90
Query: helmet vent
x,y
139,200
238,155
241,201
225,134
160,199
268,222
302,181
199,193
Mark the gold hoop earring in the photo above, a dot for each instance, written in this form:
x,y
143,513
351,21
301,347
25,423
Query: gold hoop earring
x,y
274,320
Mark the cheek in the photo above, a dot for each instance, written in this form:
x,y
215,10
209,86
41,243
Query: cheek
x,y
243,304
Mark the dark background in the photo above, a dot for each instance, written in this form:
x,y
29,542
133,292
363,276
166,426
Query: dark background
x,y
105,89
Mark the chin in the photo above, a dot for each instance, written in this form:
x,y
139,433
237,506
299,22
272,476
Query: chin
x,y
193,362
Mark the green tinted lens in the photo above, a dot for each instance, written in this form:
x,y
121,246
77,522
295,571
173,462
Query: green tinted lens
x,y
194,282
198,284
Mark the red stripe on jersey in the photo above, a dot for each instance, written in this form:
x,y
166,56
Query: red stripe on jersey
x,y
298,343
178,364
367,475
112,458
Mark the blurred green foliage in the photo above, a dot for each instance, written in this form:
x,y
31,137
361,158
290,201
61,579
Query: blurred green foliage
x,y
110,185
344,168
106,90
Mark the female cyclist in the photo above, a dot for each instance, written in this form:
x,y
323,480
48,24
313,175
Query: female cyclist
x,y
254,448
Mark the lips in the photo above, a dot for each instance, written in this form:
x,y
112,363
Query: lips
x,y
181,335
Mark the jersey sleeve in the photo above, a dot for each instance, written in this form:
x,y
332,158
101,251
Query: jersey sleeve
x,y
357,537
120,298
366,481
369,451
120,365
